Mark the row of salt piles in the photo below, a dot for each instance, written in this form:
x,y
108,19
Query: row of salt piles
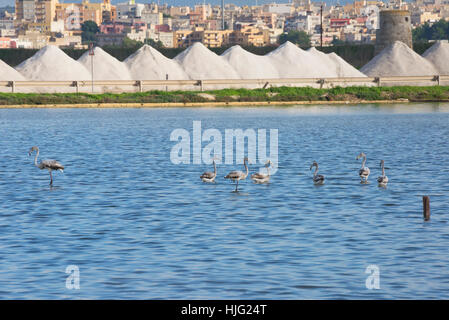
x,y
196,62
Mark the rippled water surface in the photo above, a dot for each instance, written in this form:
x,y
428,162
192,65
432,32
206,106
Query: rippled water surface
x,y
138,226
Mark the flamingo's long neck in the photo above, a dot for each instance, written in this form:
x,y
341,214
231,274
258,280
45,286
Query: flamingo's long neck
x,y
35,158
268,169
215,168
316,170
383,170
363,162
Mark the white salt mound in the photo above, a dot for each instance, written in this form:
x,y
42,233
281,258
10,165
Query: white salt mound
x,y
340,68
201,63
344,69
324,59
249,65
293,62
8,73
52,64
438,55
106,67
149,64
398,60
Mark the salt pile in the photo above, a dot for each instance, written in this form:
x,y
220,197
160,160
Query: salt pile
x,y
249,65
293,62
326,62
337,66
8,73
106,67
201,63
398,60
438,55
149,64
52,64
342,68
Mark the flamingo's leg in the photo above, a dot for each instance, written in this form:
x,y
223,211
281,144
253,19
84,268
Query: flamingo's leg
x,y
237,185
51,178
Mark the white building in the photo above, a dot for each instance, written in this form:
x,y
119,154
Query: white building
x,y
279,8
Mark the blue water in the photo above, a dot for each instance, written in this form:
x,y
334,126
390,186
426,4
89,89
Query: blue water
x,y
140,227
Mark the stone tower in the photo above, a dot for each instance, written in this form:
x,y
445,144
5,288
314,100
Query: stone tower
x,y
394,25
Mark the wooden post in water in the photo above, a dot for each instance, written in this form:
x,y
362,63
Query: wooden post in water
x,y
426,208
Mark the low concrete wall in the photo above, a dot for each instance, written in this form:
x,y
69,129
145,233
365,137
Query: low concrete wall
x,y
201,85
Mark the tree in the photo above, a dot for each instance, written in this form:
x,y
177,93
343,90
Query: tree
x,y
337,42
300,38
155,44
89,30
437,31
129,43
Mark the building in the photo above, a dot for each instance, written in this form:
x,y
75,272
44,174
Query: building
x,y
394,26
249,35
74,14
25,10
6,42
129,10
115,39
210,38
45,11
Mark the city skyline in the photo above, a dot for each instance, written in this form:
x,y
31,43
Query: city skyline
x,y
4,3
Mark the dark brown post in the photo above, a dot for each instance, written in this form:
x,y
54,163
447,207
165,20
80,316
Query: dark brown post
x,y
426,208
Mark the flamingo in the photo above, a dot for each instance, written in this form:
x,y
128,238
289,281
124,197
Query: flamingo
x,y
262,177
317,178
210,176
364,171
238,175
382,180
50,165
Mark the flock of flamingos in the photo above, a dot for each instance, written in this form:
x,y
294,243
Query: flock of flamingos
x,y
235,176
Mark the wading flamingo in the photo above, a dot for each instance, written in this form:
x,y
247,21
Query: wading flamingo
x,y
238,175
364,171
317,178
50,165
262,177
382,180
210,176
